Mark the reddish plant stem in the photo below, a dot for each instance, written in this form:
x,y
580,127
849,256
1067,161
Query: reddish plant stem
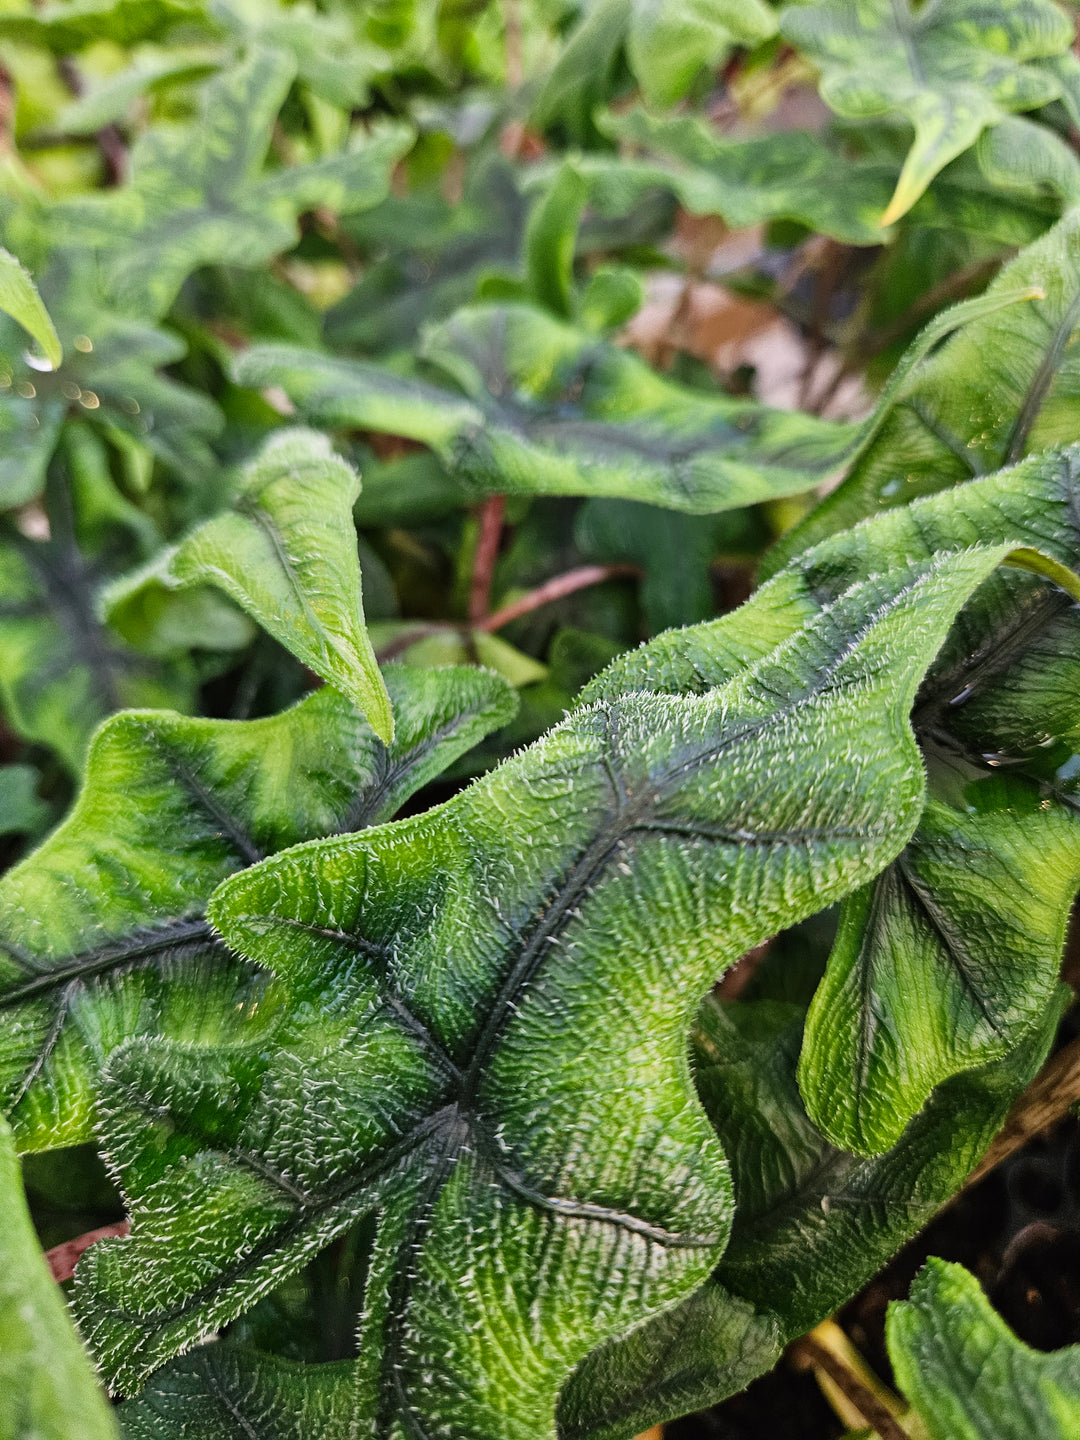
x,y
63,1258
579,579
555,589
487,552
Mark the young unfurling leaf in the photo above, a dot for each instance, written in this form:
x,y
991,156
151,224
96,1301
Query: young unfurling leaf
x,y
286,553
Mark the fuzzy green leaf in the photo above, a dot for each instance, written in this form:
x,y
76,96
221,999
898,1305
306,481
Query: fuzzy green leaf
x,y
48,1390
226,1393
812,1223
514,1104
543,408
102,930
1002,387
947,959
286,553
951,70
19,299
966,1373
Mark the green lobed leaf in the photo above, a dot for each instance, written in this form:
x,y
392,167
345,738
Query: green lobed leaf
x,y
516,1108
102,929
286,553
48,1390
19,299
223,1392
200,194
1002,387
812,1224
966,1373
542,408
946,960
795,175
951,70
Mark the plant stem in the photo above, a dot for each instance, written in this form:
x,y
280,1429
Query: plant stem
x,y
1047,1099
555,589
850,1386
487,552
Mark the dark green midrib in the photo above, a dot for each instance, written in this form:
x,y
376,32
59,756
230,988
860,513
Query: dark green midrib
x,y
1041,382
462,1111
144,944
1002,648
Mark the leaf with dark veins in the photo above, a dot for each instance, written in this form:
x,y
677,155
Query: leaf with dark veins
x,y
534,406
948,958
102,929
813,1223
61,670
201,193
1003,386
473,1059
950,70
286,553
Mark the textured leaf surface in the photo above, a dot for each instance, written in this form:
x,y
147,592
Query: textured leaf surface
x,y
221,1393
61,671
543,408
812,1223
1002,387
286,553
529,1207
201,194
19,299
948,958
102,929
949,69
967,1374
48,1390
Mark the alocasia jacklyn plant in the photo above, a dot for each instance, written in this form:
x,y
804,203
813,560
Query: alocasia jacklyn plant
x,y
418,689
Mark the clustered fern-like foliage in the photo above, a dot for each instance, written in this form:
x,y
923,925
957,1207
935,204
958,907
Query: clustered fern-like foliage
x,y
373,949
